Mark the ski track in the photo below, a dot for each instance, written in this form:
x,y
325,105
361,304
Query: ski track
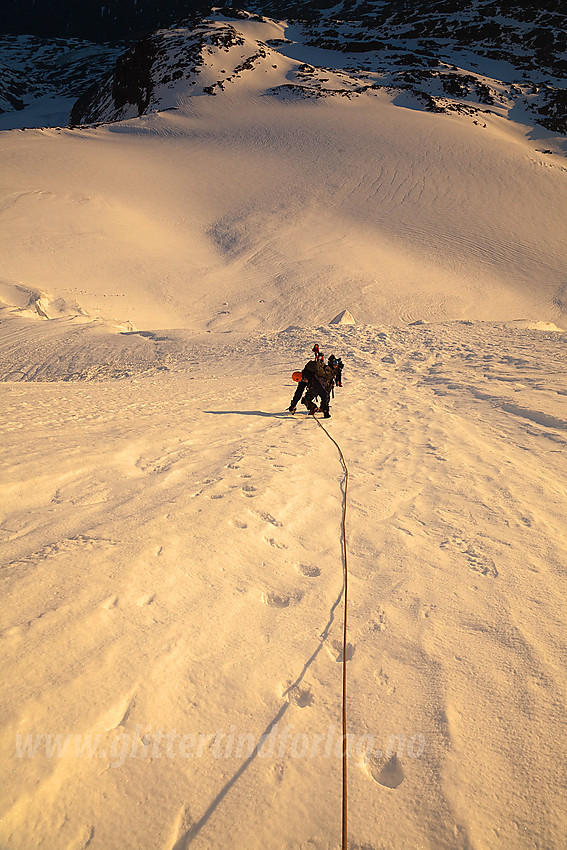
x,y
171,560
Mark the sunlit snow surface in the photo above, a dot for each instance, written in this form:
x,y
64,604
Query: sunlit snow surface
x,y
170,535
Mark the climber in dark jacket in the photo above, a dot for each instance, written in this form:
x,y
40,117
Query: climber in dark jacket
x,y
337,366
319,379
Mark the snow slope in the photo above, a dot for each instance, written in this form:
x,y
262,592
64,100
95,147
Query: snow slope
x,y
176,564
249,184
170,537
179,221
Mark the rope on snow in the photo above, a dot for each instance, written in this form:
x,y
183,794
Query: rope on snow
x,y
344,487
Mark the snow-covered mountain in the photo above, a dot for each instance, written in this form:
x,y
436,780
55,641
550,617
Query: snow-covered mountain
x,y
41,78
448,56
448,74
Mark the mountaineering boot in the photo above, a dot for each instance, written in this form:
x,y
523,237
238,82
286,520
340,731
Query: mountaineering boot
x,y
312,409
326,415
292,409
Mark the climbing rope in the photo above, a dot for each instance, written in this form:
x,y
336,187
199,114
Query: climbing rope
x,y
344,487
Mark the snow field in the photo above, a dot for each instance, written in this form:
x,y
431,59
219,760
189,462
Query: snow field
x,y
176,567
268,218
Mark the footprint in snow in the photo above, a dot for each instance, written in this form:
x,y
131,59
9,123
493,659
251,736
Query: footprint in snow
x,y
386,771
83,838
301,695
477,560
433,450
277,773
307,570
283,600
378,623
384,682
335,650
109,603
269,518
146,599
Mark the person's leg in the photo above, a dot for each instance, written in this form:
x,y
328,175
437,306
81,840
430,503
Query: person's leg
x,y
297,395
308,400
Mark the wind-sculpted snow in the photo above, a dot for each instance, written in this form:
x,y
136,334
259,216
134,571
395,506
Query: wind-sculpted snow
x,y
243,210
172,582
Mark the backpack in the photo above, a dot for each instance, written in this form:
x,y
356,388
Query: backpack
x,y
314,367
316,371
328,377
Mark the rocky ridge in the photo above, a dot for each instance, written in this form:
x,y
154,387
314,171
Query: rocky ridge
x,y
447,56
